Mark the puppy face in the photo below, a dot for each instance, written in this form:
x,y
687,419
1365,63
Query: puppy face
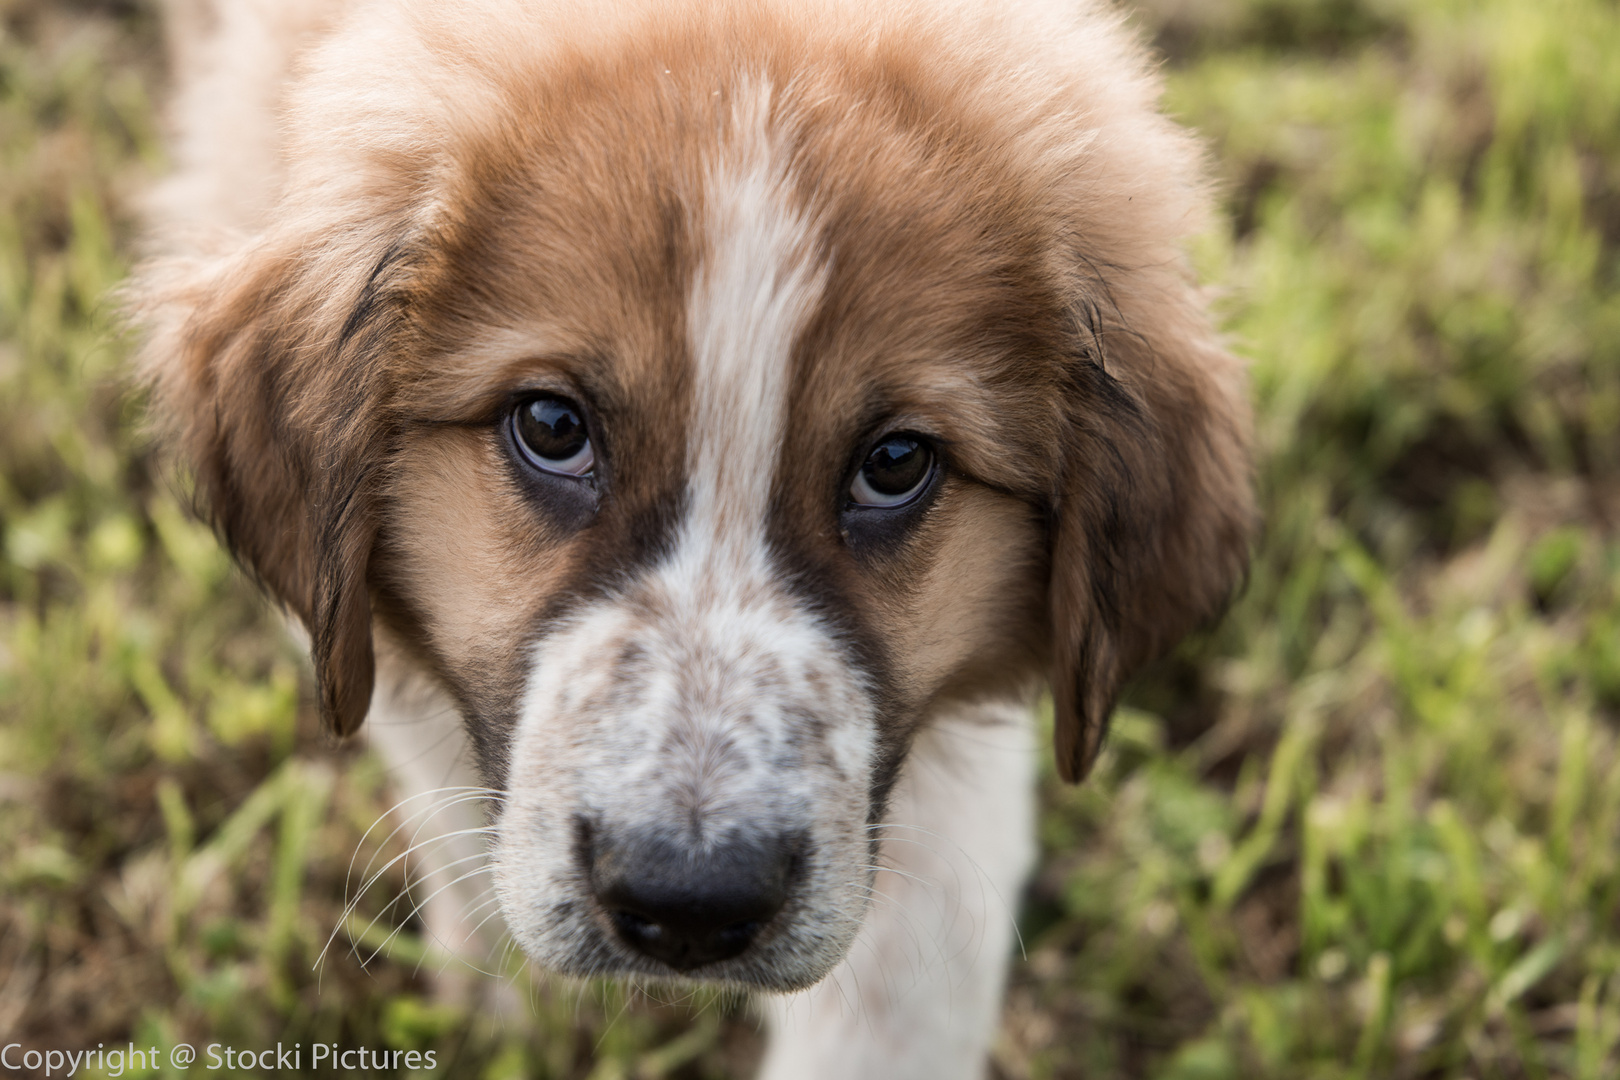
x,y
703,424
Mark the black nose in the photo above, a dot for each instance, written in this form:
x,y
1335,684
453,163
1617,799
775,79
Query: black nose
x,y
688,906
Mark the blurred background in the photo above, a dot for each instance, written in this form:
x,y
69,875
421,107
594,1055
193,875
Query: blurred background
x,y
1369,827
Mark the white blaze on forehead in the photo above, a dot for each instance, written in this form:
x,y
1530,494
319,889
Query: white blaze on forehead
x,y
703,698
756,286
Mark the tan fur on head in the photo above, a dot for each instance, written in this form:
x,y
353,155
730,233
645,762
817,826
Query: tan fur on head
x,y
747,241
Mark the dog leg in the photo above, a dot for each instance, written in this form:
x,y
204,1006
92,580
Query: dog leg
x,y
920,993
443,811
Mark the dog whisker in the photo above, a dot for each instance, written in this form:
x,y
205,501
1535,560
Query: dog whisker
x,y
446,798
481,869
391,904
984,878
352,904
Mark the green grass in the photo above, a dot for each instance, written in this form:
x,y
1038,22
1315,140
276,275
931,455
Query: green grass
x,y
1366,828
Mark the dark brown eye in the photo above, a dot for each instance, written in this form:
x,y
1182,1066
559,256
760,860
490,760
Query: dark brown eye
x,y
550,431
894,473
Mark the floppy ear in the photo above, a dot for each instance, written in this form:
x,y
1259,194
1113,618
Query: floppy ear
x,y
1155,510
266,366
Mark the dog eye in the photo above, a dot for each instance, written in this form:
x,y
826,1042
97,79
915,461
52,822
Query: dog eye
x,y
551,433
893,474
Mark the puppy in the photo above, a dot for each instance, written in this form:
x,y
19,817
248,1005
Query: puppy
x,y
694,433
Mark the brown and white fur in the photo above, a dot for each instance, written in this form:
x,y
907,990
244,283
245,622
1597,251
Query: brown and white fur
x,y
747,241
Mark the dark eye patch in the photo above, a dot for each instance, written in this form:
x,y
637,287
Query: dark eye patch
x,y
890,493
553,458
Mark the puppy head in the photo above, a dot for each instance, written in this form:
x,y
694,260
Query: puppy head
x,y
703,406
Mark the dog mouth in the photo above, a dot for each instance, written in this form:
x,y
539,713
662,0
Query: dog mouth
x,y
698,814
690,904
749,907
